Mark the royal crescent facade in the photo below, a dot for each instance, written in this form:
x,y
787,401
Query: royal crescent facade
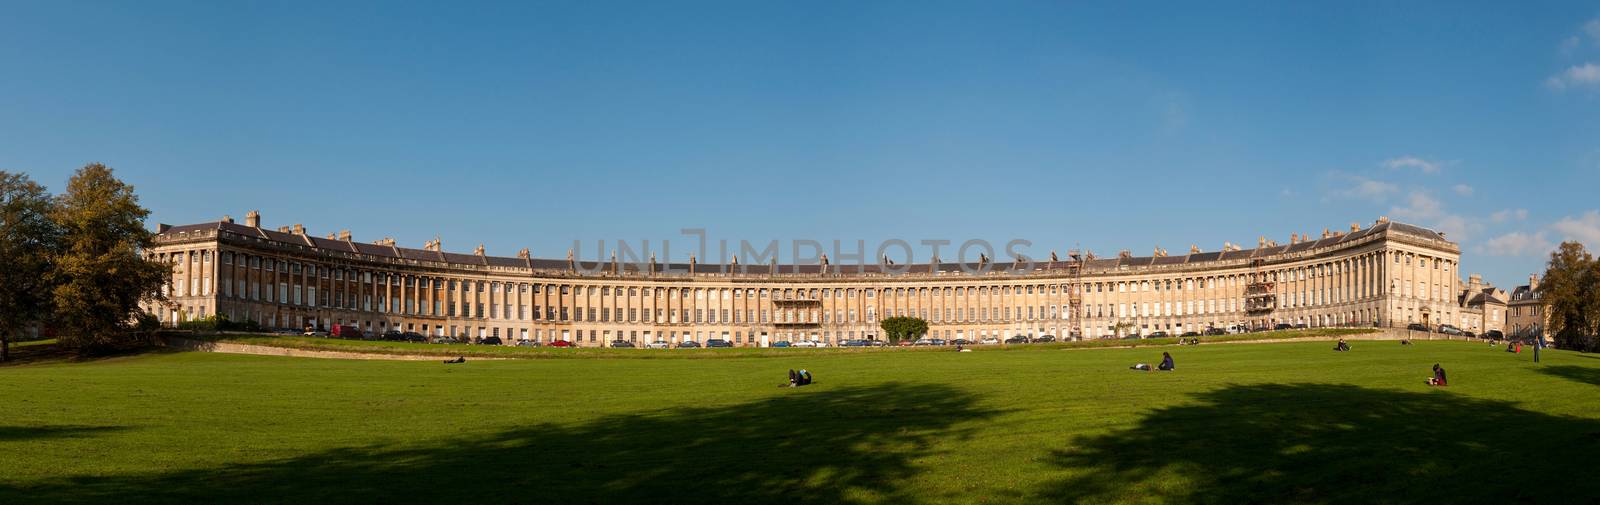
x,y
1384,274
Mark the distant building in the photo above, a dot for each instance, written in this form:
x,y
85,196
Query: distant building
x,y
1483,307
1526,311
1387,274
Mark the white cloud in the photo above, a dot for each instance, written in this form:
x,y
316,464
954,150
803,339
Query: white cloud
x,y
1587,74
1355,186
1423,209
1427,167
1584,229
1509,214
1518,244
1463,189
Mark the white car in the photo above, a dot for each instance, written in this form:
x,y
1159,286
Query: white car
x,y
989,340
803,343
658,345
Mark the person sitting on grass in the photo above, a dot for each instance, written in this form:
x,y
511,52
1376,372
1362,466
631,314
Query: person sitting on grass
x,y
805,377
1438,376
794,379
1405,341
1166,363
1341,346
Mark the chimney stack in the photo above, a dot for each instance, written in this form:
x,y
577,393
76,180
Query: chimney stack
x,y
252,219
1533,281
227,219
299,229
344,235
283,229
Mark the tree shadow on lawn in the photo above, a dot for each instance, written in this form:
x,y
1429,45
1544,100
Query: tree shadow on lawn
x,y
1586,375
1318,443
807,445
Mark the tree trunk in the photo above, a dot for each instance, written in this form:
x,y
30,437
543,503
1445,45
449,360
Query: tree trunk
x,y
5,347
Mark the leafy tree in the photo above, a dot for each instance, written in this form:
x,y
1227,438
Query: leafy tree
x,y
1570,293
897,328
101,275
28,240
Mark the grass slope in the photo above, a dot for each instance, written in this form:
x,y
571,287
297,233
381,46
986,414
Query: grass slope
x,y
1279,423
493,351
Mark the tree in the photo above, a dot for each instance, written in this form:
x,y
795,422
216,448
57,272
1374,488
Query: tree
x,y
896,328
1570,293
28,240
101,275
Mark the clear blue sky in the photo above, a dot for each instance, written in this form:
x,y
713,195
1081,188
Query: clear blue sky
x,y
528,124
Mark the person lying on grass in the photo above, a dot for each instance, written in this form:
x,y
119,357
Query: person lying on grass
x,y
1438,376
459,359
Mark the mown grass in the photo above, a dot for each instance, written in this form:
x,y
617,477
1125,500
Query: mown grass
x,y
1244,423
442,350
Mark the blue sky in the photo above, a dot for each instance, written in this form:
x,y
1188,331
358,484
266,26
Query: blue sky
x,y
530,124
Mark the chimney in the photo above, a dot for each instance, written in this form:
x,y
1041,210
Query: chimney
x,y
1533,281
163,227
1355,227
344,235
299,229
227,219
283,229
252,219
1474,283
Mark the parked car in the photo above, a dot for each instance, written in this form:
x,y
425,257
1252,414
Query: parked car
x,y
490,341
1469,334
1190,334
562,343
314,333
1449,329
853,343
412,336
659,344
391,335
1131,336
718,342
1301,326
1417,327
622,344
1019,339
688,344
1494,334
344,331
876,343
960,341
803,343
780,343
1159,334
527,343
929,341
1214,331
1045,339
989,341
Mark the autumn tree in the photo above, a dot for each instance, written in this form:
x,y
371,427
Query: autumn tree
x,y
28,241
101,275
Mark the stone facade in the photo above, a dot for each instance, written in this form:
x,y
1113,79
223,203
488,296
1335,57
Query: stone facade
x,y
1387,274
1526,316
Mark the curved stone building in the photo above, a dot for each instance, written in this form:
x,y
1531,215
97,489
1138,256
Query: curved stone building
x,y
1387,274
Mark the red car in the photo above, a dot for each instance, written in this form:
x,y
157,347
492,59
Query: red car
x,y
561,343
345,331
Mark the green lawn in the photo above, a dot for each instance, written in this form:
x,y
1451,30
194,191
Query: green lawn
x,y
1240,423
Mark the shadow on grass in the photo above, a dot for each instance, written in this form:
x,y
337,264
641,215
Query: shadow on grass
x,y
19,433
57,353
1586,375
809,445
1317,443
